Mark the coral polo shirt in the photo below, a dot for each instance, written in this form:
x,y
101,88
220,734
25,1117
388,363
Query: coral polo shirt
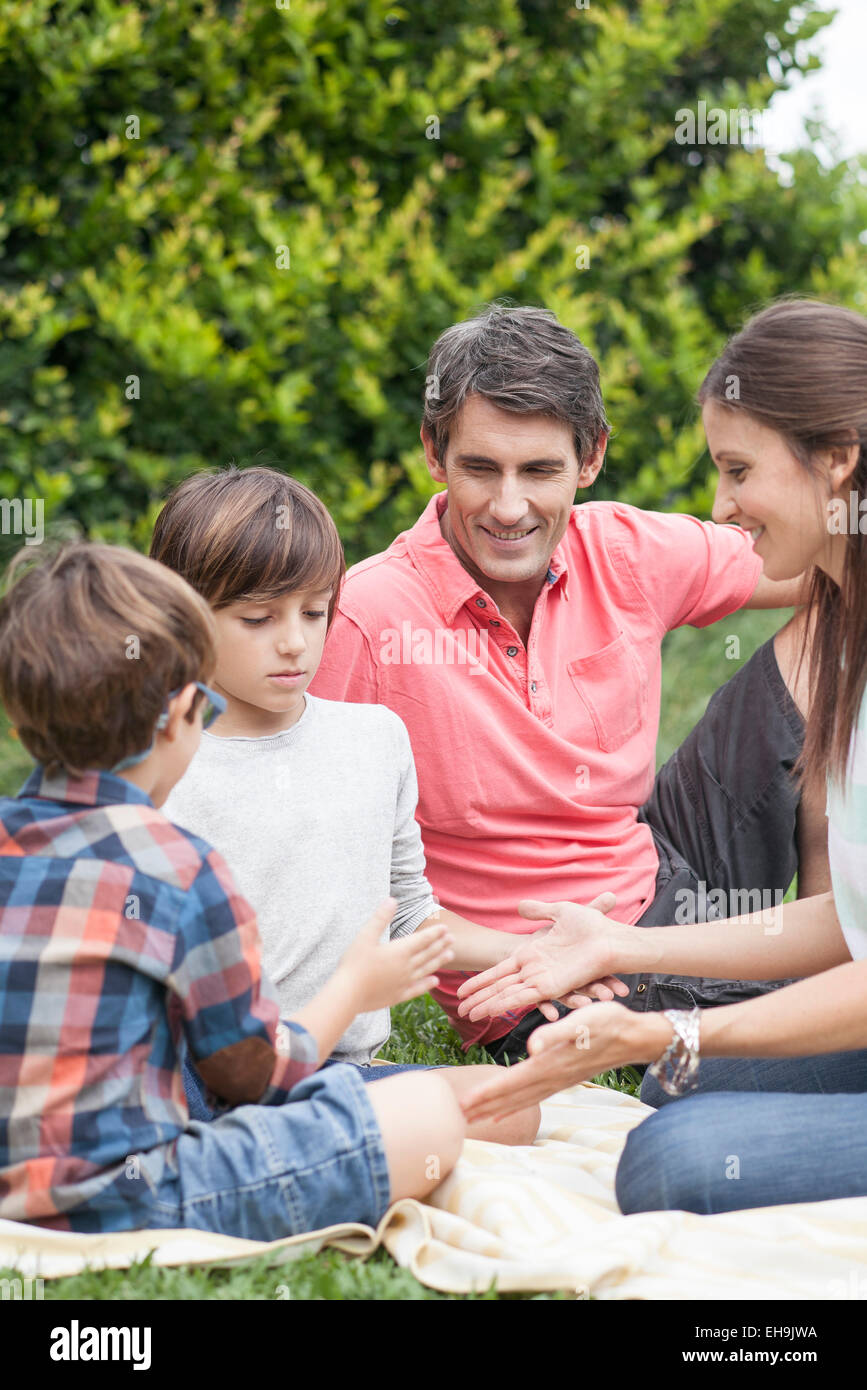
x,y
533,761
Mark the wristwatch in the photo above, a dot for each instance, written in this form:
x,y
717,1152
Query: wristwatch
x,y
677,1068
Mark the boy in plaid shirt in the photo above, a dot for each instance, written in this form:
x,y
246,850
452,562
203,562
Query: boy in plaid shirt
x,y
125,945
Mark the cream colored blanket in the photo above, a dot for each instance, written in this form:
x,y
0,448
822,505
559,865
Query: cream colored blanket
x,y
539,1218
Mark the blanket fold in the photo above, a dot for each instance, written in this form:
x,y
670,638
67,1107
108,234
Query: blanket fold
x,y
535,1219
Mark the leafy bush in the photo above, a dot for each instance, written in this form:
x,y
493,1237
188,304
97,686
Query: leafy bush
x,y
412,163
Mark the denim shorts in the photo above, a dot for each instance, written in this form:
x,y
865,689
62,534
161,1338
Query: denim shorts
x,y
196,1094
372,1071
262,1172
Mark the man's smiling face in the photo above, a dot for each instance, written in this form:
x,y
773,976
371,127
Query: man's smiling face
x,y
511,485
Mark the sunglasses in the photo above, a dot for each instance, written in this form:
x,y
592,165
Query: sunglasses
x,y
212,706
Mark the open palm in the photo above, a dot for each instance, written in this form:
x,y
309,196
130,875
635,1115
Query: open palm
x,y
570,961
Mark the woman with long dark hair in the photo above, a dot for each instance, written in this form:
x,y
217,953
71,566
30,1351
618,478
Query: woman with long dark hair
x,y
777,1103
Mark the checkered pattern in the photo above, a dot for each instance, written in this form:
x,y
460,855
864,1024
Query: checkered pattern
x,y
123,941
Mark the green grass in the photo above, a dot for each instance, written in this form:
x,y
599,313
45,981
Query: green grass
x,y
695,664
328,1275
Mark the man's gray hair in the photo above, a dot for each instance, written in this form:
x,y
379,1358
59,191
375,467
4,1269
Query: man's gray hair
x,y
520,359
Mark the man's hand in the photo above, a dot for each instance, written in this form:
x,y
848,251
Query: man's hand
x,y
571,962
382,974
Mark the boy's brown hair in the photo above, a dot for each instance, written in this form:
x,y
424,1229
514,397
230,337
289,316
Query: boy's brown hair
x,y
253,533
92,639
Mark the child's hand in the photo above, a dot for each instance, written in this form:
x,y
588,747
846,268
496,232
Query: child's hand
x,y
387,973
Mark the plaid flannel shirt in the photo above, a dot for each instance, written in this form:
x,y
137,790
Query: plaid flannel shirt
x,y
123,941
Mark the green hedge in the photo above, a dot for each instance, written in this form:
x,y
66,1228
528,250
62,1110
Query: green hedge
x,y
306,127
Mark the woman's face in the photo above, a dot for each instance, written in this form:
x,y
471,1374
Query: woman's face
x,y
765,489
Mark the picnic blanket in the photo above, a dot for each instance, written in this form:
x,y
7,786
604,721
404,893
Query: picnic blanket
x,y
533,1219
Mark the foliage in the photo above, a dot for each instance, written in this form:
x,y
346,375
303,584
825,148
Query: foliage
x,y
154,252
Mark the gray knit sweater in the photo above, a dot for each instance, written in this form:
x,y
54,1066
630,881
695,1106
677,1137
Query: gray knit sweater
x,y
317,825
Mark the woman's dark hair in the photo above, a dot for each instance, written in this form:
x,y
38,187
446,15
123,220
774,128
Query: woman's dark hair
x,y
800,368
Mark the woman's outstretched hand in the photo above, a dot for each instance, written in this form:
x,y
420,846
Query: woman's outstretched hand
x,y
574,1049
571,962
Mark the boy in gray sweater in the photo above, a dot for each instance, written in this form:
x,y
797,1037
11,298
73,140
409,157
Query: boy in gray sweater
x,y
311,802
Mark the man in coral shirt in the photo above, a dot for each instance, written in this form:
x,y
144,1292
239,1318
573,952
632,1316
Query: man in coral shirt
x,y
518,637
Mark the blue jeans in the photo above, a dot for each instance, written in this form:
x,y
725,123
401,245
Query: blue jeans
x,y
260,1172
755,1133
200,1110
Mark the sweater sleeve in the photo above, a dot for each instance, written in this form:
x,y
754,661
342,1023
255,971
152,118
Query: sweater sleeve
x,y
408,882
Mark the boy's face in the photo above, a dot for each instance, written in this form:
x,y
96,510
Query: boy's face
x,y
268,652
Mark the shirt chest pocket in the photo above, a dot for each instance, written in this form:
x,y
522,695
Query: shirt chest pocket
x,y
612,686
